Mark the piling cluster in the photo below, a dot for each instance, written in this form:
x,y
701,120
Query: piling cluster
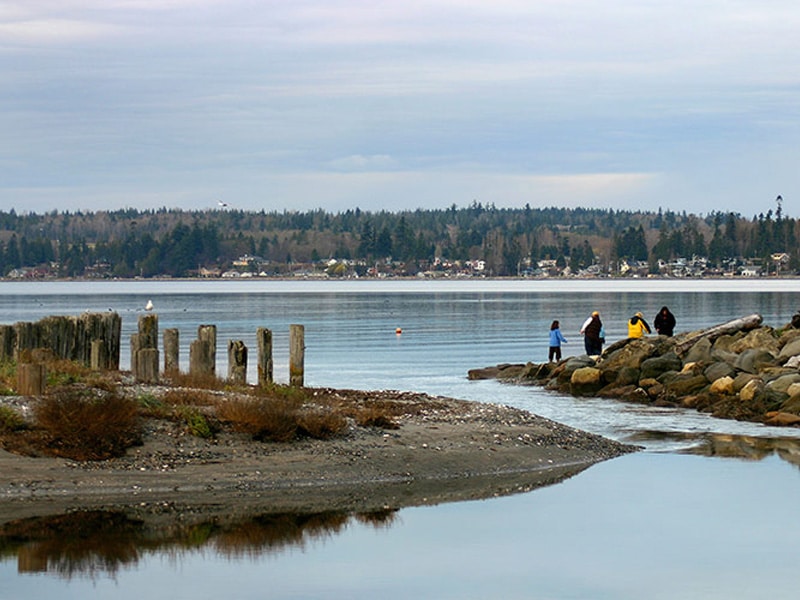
x,y
94,339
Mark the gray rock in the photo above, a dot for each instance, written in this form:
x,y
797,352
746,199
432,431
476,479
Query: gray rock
x,y
742,379
719,369
631,354
722,355
790,349
754,359
700,352
651,368
782,383
762,338
685,386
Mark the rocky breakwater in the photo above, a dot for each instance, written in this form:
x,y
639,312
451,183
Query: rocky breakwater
x,y
741,369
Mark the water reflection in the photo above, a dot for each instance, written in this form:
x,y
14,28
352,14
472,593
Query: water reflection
x,y
97,543
727,445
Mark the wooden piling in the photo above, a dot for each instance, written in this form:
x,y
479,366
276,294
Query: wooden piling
x,y
8,341
99,359
144,350
297,351
31,379
237,361
265,366
68,337
147,365
203,351
171,351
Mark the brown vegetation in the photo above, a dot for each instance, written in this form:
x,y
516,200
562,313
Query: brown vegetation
x,y
95,416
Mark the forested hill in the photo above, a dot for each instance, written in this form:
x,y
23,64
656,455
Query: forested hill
x,y
485,239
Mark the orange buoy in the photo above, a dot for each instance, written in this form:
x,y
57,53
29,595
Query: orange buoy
x,y
398,331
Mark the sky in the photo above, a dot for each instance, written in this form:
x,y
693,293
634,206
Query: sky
x,y
337,104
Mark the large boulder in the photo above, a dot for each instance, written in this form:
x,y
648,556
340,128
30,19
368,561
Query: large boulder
x,y
754,360
782,383
630,354
651,368
699,352
752,389
565,370
722,355
683,385
792,348
742,379
586,381
762,338
719,369
723,385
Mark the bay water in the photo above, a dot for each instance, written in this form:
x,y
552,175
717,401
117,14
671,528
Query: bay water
x,y
706,510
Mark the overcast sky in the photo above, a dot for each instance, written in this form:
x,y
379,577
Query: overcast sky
x,y
306,104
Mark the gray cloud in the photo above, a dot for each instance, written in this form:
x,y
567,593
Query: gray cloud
x,y
114,103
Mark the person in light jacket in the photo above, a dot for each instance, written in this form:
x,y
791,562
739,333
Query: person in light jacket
x,y
556,339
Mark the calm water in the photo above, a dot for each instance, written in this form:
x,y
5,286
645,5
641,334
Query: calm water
x,y
676,521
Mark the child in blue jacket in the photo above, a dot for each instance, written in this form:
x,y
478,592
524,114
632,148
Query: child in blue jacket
x,y
556,339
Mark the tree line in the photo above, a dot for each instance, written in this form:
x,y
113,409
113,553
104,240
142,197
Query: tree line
x,y
178,243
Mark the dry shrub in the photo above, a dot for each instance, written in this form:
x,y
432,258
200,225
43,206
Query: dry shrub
x,y
82,425
204,381
265,420
320,424
370,416
289,394
188,397
62,372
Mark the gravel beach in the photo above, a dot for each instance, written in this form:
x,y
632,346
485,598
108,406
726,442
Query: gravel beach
x,y
456,450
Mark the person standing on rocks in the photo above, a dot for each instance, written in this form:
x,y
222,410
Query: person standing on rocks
x,y
664,322
556,339
590,330
637,326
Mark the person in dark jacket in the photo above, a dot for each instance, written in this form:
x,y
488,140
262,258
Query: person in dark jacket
x,y
664,322
591,332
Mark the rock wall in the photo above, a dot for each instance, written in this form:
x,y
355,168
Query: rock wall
x,y
741,370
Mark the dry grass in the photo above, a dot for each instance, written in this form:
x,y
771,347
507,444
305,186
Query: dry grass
x,y
196,381
84,417
81,424
264,420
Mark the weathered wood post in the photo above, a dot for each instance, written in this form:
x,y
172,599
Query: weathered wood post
x,y
8,341
203,351
144,363
99,358
31,379
237,361
90,327
264,338
171,351
134,351
297,353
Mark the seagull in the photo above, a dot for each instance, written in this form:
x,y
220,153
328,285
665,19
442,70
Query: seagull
x,y
149,305
222,204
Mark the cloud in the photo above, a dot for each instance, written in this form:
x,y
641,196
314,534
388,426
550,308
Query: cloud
x,y
356,102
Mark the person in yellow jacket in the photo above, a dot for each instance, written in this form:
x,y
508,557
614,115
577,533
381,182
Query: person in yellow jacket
x,y
637,326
